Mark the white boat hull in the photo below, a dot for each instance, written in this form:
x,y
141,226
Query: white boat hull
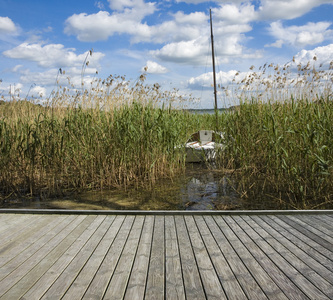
x,y
199,152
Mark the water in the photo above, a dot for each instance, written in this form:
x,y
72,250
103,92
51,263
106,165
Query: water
x,y
200,188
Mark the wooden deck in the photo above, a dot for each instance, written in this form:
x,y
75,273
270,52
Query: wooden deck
x,y
166,255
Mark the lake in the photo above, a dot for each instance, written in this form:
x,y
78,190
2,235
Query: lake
x,y
199,188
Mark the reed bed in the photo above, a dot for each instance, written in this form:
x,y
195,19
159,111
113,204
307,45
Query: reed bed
x,y
107,137
280,138
116,134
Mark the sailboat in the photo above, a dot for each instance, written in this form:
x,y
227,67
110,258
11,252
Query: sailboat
x,y
202,145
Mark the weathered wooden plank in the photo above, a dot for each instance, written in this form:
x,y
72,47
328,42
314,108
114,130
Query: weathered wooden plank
x,y
233,256
15,269
227,278
138,278
244,277
12,222
301,254
209,278
22,231
99,284
191,276
299,274
312,233
324,219
32,238
16,280
303,240
263,253
58,289
4,218
312,284
174,280
118,283
244,246
33,277
317,252
82,281
21,248
61,256
155,281
320,226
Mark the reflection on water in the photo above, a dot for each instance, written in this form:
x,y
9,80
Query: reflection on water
x,y
200,188
208,189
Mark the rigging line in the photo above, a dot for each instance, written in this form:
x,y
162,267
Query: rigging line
x,y
222,89
206,67
219,78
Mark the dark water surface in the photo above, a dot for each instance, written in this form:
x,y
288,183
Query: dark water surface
x,y
200,188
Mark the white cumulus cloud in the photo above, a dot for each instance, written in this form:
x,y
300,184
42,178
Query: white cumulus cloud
x,y
324,55
126,18
38,91
235,14
287,9
51,55
155,68
300,36
137,8
185,52
102,25
206,79
7,26
202,1
182,27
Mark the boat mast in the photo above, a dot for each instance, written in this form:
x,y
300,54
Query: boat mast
x,y
214,73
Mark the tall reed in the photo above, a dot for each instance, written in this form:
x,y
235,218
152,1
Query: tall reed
x,y
114,133
283,147
103,138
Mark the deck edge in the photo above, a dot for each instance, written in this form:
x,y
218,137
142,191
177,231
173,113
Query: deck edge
x,y
162,212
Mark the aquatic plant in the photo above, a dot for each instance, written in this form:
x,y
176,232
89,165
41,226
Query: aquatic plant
x,y
281,137
116,134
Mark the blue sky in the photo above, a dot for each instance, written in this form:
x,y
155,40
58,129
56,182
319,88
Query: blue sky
x,y
37,37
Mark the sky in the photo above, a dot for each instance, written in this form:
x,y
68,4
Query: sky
x,y
169,37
